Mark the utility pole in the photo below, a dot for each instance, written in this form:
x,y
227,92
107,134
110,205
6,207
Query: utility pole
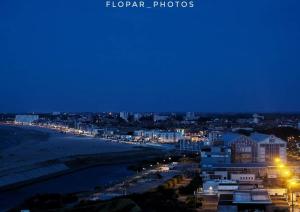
x,y
292,201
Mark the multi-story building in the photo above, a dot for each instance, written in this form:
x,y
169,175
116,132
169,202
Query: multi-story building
x,y
158,118
159,136
269,147
215,137
220,186
26,119
215,154
190,116
240,154
137,116
244,149
241,177
225,170
257,118
124,115
256,148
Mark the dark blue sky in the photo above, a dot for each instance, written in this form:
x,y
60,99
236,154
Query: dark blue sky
x,y
221,56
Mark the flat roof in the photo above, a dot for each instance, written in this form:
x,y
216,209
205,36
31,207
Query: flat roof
x,y
239,165
251,197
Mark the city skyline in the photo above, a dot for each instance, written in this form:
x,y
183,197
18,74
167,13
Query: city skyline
x,y
230,56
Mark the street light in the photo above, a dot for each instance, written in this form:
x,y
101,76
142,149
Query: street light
x,y
277,160
286,173
291,184
210,189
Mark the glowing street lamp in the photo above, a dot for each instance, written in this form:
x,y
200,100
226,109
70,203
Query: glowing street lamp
x,y
210,189
286,173
277,160
292,184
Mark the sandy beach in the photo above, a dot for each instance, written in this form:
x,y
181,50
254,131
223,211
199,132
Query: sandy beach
x,y
46,152
34,160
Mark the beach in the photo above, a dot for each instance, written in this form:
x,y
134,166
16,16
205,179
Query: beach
x,y
52,145
32,155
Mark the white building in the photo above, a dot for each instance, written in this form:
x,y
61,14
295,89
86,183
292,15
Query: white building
x,y
159,136
157,118
257,118
124,115
269,147
26,119
256,148
220,186
214,136
190,116
137,116
243,177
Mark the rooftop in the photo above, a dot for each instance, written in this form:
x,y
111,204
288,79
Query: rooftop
x,y
230,137
259,136
239,165
251,197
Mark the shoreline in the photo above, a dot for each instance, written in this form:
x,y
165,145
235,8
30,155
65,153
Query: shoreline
x,y
76,153
44,178
167,146
124,159
81,162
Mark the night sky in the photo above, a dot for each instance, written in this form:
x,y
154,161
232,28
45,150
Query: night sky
x,y
221,56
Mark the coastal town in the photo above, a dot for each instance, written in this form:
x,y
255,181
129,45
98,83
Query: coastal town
x,y
210,162
149,106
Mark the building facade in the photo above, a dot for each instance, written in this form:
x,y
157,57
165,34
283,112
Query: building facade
x,y
124,115
26,119
244,150
159,136
269,147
